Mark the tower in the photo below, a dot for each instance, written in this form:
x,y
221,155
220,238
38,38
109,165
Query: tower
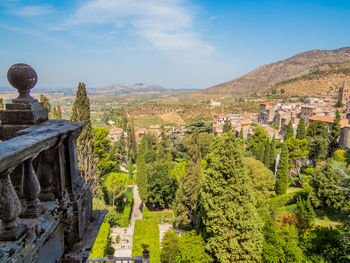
x,y
344,93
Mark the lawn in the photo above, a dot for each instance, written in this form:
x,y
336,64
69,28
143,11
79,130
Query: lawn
x,y
146,236
161,217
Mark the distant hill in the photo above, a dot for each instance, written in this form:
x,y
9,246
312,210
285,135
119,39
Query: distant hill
x,y
113,89
269,75
120,89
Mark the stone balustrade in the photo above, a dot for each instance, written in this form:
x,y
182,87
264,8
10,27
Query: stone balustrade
x,y
45,205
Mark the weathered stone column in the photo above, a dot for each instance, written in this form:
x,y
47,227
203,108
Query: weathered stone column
x,y
46,175
31,190
10,208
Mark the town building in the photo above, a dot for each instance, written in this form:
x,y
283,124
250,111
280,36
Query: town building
x,y
344,93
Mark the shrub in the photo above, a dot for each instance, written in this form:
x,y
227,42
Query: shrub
x,y
117,239
101,242
110,251
146,234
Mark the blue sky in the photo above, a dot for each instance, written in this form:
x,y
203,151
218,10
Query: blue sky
x,y
189,44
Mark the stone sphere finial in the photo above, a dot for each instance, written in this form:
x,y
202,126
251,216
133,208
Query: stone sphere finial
x,y
23,78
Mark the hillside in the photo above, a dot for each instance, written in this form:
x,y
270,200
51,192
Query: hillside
x,y
268,75
326,80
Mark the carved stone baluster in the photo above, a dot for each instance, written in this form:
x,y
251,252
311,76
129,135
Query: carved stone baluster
x,y
10,208
31,190
46,175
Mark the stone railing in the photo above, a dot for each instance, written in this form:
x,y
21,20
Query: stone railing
x,y
45,205
138,259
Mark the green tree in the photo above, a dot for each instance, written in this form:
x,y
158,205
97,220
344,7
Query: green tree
x,y
281,244
116,184
85,142
170,247
56,112
339,104
192,249
161,185
301,130
327,184
132,146
241,133
305,214
298,150
141,174
334,135
201,126
261,179
1,103
317,149
267,153
205,141
289,131
187,195
46,102
256,143
107,161
228,205
282,172
273,154
317,128
227,126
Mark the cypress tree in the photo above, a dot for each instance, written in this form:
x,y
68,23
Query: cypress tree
x,y
267,153
273,154
141,174
282,172
241,135
46,102
334,135
132,147
289,131
227,126
85,142
231,224
1,103
301,130
57,112
187,195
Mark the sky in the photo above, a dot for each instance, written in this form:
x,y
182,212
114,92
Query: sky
x,y
178,44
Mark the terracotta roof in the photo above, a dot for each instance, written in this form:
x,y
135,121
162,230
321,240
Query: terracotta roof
x,y
327,119
266,103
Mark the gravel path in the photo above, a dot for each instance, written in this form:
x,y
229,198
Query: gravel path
x,y
124,247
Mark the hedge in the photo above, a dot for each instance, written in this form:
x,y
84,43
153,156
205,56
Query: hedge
x,y
101,242
146,233
123,219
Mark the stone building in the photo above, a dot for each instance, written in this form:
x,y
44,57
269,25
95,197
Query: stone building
x,y
266,112
344,93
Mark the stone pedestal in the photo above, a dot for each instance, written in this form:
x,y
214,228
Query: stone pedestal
x,y
18,116
24,111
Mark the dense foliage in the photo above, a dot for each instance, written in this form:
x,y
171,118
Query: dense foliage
x,y
187,195
282,172
228,204
85,143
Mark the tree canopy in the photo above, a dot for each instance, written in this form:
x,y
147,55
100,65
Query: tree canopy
x,y
228,204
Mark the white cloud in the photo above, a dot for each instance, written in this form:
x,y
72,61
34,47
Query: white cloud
x,y
167,24
34,10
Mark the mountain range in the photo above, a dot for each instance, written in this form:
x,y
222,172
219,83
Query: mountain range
x,y
311,64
